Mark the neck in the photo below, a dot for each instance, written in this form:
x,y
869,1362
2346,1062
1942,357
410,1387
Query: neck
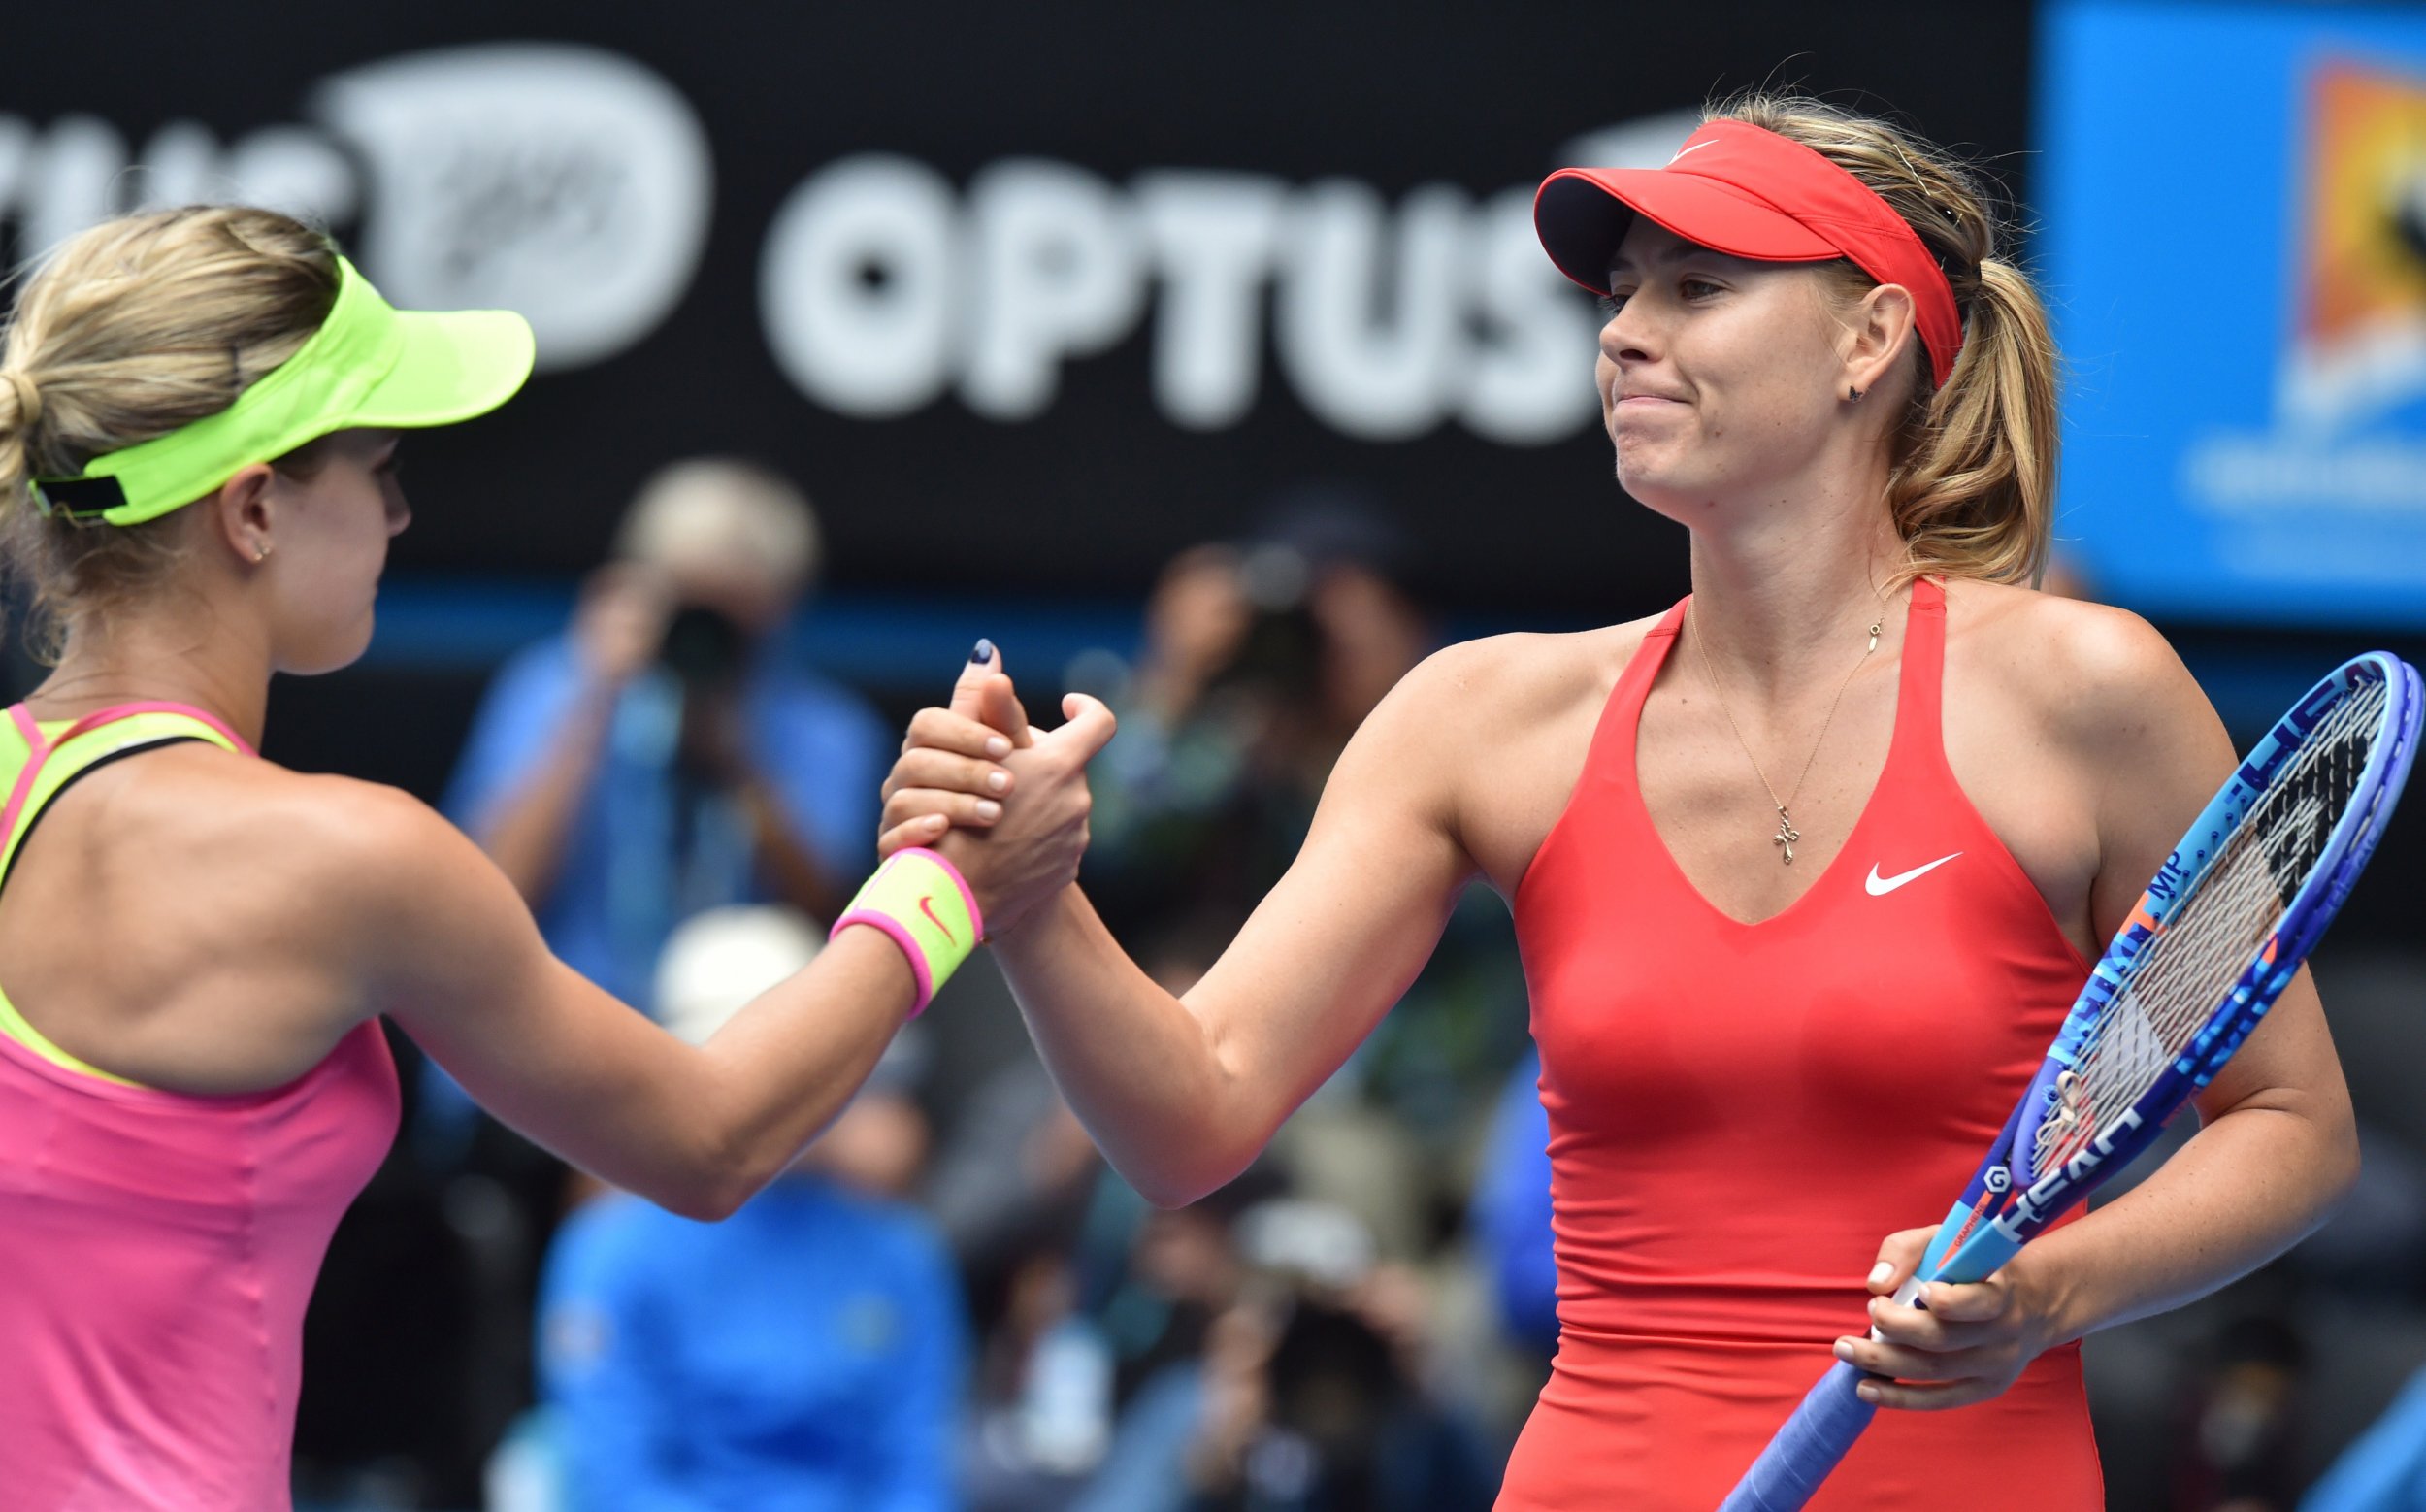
x,y
208,660
1784,593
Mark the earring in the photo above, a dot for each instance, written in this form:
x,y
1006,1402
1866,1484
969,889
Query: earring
x,y
1852,394
261,551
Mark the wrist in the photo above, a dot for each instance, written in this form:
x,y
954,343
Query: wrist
x,y
920,901
1015,933
2050,1296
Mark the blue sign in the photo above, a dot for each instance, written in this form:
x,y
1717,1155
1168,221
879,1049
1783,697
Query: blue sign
x,y
2234,249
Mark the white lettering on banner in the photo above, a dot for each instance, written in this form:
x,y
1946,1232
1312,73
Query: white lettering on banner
x,y
293,169
564,181
69,179
1533,381
1385,325
1213,236
1367,330
856,285
574,186
2244,474
1057,274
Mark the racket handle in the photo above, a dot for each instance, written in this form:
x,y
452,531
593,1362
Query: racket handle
x,y
1806,1448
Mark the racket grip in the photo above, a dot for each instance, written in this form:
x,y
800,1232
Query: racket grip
x,y
1806,1448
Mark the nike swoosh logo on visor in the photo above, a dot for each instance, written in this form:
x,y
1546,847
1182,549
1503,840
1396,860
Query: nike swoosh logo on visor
x,y
1695,148
1877,886
927,906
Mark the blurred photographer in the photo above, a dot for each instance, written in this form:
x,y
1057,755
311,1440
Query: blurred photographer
x,y
1312,1392
1259,659
662,757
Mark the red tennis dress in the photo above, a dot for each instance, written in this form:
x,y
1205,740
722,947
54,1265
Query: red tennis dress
x,y
1740,1113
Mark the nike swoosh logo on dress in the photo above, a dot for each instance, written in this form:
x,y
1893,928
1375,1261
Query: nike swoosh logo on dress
x,y
1877,886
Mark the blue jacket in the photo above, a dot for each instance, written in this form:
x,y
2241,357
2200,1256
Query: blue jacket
x,y
808,1354
628,877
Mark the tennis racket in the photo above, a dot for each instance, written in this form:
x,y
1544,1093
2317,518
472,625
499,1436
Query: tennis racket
x,y
2214,941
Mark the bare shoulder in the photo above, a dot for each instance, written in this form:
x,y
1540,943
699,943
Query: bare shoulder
x,y
338,850
1499,728
2096,674
1521,677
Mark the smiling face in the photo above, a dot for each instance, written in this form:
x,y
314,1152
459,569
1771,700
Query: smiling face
x,y
330,546
1718,377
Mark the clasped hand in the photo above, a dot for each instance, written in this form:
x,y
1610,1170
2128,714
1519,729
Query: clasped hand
x,y
1965,1343
951,791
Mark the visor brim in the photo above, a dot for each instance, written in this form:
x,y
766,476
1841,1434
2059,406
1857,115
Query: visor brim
x,y
455,364
1583,213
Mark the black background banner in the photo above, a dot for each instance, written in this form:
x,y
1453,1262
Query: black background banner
x,y
1399,108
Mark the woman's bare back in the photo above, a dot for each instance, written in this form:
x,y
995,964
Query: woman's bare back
x,y
179,918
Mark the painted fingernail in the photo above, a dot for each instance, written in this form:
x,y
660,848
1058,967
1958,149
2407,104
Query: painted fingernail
x,y
997,746
989,810
1880,1271
984,651
1000,781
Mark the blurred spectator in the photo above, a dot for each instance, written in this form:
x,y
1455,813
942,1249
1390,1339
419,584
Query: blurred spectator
x,y
808,1353
1260,660
2233,1450
662,756
1510,1213
1304,1396
2386,1469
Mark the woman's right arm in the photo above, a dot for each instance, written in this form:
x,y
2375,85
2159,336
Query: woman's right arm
x,y
1182,1093
443,943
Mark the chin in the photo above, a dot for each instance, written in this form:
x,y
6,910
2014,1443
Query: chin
x,y
335,653
1661,491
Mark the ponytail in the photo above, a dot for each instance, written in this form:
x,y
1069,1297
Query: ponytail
x,y
1972,493
1973,487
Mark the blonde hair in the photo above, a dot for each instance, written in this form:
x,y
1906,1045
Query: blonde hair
x,y
128,331
1973,487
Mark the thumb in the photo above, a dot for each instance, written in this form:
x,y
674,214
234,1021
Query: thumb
x,y
984,694
1899,1256
1088,728
984,664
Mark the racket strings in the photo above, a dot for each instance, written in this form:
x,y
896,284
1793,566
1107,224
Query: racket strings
x,y
2173,988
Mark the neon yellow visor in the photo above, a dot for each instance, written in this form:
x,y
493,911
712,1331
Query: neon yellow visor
x,y
368,365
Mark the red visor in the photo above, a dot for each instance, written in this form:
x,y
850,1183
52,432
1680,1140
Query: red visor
x,y
1747,192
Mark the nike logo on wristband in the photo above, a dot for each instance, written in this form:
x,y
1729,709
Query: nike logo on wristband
x,y
1877,886
927,906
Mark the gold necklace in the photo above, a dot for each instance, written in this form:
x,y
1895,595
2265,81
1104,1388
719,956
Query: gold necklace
x,y
1786,834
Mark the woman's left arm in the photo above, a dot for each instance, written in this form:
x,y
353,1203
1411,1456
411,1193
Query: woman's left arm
x,y
2275,1149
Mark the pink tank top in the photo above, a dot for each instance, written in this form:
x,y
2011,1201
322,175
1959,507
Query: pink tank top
x,y
1740,1113
157,1249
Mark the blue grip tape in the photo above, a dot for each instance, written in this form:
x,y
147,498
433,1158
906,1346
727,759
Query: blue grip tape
x,y
1807,1448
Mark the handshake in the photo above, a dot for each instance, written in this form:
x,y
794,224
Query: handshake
x,y
951,791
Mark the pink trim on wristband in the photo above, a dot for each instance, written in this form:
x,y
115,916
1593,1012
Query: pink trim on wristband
x,y
901,936
976,915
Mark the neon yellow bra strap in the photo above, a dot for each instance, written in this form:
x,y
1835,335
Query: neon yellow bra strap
x,y
41,770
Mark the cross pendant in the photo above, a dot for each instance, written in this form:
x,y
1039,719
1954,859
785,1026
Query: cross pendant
x,y
1786,835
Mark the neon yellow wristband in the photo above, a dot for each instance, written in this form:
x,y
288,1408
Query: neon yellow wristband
x,y
920,900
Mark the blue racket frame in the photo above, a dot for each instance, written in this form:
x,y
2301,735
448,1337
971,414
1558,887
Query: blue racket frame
x,y
2003,1206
